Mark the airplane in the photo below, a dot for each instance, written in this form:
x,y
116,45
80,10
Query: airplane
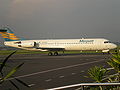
x,y
53,46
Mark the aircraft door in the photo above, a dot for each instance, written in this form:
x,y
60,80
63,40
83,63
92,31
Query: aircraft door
x,y
36,45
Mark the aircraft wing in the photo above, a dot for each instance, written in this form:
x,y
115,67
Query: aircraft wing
x,y
51,48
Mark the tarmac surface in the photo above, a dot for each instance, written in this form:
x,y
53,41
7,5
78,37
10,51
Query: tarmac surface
x,y
45,72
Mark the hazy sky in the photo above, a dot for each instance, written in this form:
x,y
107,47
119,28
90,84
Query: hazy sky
x,y
37,19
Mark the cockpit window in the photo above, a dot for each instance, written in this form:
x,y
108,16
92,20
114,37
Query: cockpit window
x,y
107,42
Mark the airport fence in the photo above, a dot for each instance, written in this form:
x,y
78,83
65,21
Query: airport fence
x,y
90,86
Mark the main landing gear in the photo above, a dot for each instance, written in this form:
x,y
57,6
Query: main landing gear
x,y
53,54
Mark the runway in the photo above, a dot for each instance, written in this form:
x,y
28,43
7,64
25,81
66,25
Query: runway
x,y
44,72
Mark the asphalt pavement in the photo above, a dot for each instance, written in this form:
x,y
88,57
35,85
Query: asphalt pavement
x,y
45,72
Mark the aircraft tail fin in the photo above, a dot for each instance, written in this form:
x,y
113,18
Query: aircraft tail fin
x,y
8,35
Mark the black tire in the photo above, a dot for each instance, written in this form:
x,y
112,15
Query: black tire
x,y
50,54
56,53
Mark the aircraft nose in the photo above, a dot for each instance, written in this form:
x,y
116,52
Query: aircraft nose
x,y
114,46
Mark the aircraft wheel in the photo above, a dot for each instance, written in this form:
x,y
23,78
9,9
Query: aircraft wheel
x,y
103,53
50,54
108,52
56,53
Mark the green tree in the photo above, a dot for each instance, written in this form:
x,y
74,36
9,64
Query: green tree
x,y
97,74
10,73
114,62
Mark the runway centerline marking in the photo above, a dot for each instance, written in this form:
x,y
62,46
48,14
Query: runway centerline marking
x,y
48,80
82,71
61,76
61,68
73,73
31,85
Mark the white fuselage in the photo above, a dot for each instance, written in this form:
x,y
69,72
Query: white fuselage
x,y
66,44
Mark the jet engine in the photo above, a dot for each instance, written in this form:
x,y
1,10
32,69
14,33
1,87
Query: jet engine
x,y
29,44
26,44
